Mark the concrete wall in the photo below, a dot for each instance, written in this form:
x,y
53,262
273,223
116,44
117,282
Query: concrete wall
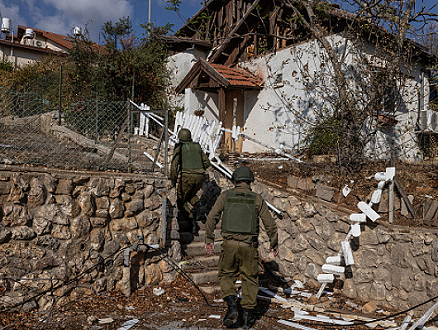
x,y
59,229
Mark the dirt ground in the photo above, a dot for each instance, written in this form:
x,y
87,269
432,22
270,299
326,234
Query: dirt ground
x,y
419,180
180,306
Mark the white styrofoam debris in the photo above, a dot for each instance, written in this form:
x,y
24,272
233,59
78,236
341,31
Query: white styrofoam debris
x,y
326,278
390,173
348,255
272,294
381,185
358,217
332,269
336,260
355,230
369,212
158,291
380,176
346,190
295,325
106,320
320,318
375,198
128,324
152,158
214,317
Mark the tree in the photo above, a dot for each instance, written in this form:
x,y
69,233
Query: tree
x,y
361,92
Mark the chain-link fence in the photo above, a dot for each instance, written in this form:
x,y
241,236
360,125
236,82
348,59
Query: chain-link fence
x,y
86,135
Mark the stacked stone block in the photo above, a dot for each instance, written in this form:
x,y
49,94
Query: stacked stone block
x,y
63,234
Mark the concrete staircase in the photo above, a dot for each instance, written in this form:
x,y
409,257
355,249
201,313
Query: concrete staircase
x,y
202,268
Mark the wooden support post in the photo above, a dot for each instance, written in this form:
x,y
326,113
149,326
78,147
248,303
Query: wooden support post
x,y
391,202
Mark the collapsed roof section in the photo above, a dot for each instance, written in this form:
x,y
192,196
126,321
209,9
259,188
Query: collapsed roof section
x,y
210,77
241,29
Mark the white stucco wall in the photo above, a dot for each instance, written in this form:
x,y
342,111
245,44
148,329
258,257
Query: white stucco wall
x,y
178,66
279,116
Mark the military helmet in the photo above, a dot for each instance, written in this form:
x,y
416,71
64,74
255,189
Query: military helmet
x,y
184,134
242,173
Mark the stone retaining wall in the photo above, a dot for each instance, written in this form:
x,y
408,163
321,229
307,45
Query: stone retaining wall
x,y
395,267
64,234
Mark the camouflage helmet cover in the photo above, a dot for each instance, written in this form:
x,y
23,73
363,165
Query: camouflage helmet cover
x,y
242,173
184,134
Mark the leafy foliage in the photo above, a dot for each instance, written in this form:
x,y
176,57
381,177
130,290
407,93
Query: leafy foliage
x,y
123,67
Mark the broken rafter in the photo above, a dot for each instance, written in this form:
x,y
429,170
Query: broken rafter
x,y
227,40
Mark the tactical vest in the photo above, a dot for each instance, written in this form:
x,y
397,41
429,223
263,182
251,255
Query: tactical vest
x,y
191,158
240,213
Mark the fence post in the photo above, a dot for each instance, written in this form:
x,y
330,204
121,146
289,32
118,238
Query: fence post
x,y
164,205
60,95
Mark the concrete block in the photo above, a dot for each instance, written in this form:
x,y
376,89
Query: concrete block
x,y
302,184
292,181
384,203
431,213
324,192
426,205
404,209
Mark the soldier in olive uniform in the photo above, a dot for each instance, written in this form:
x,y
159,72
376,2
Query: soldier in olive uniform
x,y
188,164
240,209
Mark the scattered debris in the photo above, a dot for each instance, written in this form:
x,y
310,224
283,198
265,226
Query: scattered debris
x,y
128,324
369,308
106,321
158,291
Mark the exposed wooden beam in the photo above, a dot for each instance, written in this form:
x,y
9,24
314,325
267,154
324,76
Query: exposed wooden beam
x,y
227,40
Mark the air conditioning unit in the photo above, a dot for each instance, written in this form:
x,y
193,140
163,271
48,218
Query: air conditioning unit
x,y
38,43
429,121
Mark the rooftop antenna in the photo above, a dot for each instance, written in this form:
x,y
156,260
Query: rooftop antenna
x,y
149,17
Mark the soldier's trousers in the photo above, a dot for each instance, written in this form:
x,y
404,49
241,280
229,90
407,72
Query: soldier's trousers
x,y
240,260
187,188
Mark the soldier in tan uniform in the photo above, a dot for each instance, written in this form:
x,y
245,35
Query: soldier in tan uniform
x,y
240,209
188,164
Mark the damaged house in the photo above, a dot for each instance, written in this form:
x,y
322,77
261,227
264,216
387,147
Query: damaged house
x,y
256,65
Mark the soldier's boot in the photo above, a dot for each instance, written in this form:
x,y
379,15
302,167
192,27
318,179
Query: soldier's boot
x,y
247,318
232,312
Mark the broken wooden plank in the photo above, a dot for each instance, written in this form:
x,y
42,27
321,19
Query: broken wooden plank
x,y
227,40
405,197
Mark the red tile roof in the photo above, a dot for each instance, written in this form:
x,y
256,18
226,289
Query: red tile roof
x,y
237,77
60,39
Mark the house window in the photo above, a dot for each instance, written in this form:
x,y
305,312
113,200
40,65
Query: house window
x,y
278,82
384,98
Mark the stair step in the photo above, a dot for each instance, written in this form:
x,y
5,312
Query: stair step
x,y
198,248
206,277
200,264
211,289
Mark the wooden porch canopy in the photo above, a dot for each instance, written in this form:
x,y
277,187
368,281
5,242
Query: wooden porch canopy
x,y
211,77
